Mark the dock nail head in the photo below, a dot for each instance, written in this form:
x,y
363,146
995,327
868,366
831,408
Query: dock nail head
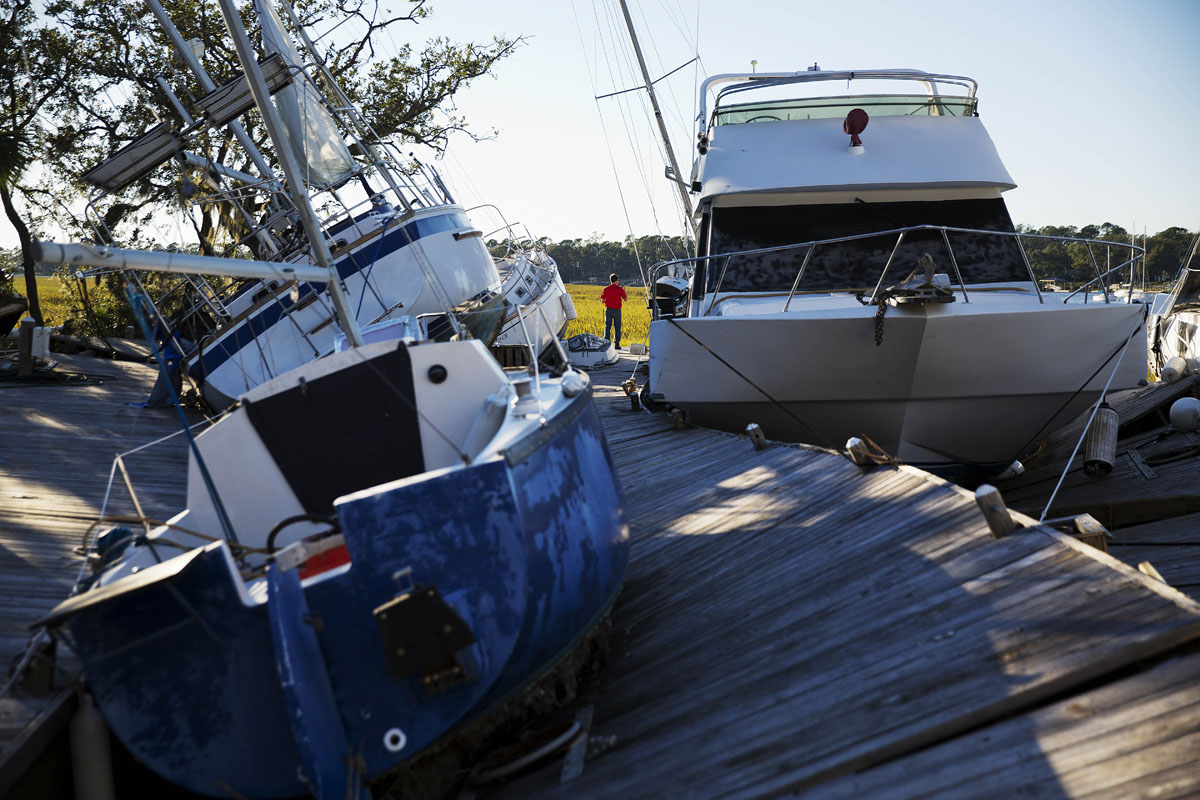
x,y
999,521
757,437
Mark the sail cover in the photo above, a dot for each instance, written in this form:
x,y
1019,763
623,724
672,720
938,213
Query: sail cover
x,y
310,129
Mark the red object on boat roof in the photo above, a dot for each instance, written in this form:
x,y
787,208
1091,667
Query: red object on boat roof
x,y
856,123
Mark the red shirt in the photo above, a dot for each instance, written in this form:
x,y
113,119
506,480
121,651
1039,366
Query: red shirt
x,y
612,296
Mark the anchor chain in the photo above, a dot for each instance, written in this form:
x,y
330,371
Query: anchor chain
x,y
879,312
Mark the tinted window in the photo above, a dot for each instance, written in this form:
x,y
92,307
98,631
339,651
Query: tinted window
x,y
856,265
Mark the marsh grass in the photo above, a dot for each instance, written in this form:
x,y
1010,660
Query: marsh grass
x,y
635,316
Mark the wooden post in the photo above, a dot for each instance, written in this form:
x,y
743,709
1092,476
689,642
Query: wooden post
x,y
1089,531
25,348
999,521
757,437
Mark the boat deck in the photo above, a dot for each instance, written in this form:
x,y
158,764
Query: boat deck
x,y
789,621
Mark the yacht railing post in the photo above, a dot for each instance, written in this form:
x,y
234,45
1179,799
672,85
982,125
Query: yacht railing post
x,y
1096,266
799,275
954,263
720,279
295,183
887,266
1029,269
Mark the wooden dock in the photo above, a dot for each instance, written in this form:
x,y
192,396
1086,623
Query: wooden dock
x,y
790,623
1150,501
59,433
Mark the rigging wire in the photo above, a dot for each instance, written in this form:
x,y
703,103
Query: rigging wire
x,y
608,144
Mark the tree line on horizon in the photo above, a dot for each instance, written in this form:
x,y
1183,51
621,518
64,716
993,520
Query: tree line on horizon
x,y
593,259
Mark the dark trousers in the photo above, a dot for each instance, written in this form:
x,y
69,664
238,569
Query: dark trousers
x,y
612,320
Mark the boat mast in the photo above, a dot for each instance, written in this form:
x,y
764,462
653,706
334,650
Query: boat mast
x,y
318,247
662,126
207,84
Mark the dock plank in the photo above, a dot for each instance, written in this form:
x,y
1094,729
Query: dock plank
x,y
57,443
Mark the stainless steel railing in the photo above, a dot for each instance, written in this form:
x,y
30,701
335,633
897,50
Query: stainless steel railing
x,y
687,266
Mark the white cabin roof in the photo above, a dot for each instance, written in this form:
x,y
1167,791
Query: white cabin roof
x,y
813,156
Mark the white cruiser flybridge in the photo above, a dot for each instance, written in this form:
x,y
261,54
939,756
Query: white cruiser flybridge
x,y
858,274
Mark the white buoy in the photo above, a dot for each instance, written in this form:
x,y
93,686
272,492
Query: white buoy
x,y
1185,414
1174,369
1100,451
91,758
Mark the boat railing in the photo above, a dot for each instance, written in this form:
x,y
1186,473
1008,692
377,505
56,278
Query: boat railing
x,y
721,261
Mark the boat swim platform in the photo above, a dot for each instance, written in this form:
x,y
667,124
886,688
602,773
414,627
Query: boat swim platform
x,y
793,625
790,623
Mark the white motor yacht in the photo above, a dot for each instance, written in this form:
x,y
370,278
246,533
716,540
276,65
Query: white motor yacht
x,y
858,274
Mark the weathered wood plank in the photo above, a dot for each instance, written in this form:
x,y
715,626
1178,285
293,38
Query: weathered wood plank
x,y
1109,742
57,443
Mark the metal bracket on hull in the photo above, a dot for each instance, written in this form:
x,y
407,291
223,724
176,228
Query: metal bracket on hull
x,y
316,724
422,636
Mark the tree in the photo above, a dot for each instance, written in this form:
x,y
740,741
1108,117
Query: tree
x,y
36,60
1165,253
119,95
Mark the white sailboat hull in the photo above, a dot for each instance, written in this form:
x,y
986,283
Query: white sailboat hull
x,y
957,383
539,306
384,279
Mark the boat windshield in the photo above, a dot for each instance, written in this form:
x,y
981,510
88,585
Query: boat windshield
x,y
855,265
886,105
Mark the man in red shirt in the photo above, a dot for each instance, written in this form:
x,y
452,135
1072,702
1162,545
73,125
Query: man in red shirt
x,y
612,296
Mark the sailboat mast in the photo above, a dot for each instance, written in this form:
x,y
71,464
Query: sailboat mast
x,y
318,247
207,84
658,117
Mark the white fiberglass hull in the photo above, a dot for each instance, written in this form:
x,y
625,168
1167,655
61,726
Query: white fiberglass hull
x,y
959,383
539,306
380,263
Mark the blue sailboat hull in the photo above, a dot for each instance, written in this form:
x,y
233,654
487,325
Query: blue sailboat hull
x,y
216,692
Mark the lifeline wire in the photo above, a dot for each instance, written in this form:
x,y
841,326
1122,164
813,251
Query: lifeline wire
x,y
758,388
135,304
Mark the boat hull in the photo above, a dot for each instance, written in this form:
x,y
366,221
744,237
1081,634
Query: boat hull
x,y
529,550
384,278
949,384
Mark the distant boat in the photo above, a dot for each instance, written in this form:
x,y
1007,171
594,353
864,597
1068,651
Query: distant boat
x,y
539,307
1175,321
867,280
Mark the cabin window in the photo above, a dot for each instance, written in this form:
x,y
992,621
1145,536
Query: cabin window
x,y
981,258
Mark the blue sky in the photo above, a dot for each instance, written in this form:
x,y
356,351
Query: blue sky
x,y
1093,106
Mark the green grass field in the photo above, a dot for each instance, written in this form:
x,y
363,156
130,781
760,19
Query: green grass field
x,y
635,316
52,296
